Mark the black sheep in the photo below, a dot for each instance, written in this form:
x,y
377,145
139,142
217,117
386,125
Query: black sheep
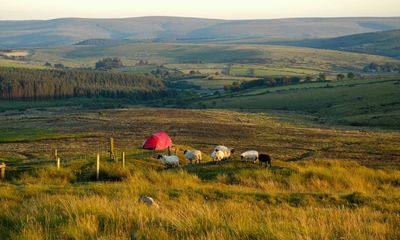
x,y
265,158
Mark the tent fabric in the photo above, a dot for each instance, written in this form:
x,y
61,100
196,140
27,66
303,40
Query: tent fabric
x,y
158,141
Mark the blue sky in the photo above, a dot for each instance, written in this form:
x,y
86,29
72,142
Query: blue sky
x,y
225,9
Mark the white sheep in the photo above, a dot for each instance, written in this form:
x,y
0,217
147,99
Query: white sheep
x,y
169,161
249,155
194,155
217,156
227,151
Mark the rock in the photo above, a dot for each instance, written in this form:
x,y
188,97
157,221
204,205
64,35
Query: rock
x,y
148,200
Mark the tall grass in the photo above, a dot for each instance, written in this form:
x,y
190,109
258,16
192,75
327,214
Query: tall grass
x,y
305,200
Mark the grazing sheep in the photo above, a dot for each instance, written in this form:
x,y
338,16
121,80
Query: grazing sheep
x,y
194,155
169,161
264,158
227,151
249,155
217,156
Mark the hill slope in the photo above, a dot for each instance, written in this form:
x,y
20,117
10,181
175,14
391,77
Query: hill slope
x,y
162,53
367,103
385,43
17,34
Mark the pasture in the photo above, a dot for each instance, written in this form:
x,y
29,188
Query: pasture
x,y
259,71
363,103
17,53
19,64
215,82
324,183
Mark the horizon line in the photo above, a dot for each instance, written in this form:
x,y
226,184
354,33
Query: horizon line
x,y
204,18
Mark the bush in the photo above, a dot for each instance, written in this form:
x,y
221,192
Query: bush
x,y
109,63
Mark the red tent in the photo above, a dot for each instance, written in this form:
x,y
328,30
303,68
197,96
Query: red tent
x,y
158,141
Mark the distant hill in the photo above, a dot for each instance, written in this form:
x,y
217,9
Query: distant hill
x,y
103,42
43,33
386,43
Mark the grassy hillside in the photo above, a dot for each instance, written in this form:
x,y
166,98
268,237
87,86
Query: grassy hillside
x,y
17,34
371,103
298,28
385,43
200,54
72,30
312,191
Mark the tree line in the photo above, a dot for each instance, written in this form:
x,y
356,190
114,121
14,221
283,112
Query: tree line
x,y
33,84
265,82
389,67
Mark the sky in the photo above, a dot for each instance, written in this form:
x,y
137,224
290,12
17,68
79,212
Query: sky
x,y
221,9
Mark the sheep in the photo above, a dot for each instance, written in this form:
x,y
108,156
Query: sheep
x,y
217,156
249,155
194,155
264,158
169,161
227,151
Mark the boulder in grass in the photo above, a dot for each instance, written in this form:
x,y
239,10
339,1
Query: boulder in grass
x,y
148,200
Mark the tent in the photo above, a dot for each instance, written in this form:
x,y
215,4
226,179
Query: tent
x,y
158,141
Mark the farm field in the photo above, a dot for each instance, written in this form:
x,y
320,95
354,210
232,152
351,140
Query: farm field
x,y
205,68
367,102
19,64
216,82
264,72
324,183
21,53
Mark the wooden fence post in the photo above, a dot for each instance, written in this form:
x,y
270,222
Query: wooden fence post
x,y
98,167
123,159
3,171
58,163
112,154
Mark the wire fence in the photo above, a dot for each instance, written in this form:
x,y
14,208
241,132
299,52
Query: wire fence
x,y
83,166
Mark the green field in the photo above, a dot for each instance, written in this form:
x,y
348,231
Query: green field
x,y
259,71
19,64
370,103
216,82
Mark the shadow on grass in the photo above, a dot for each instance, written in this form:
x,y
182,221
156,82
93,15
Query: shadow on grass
x,y
210,170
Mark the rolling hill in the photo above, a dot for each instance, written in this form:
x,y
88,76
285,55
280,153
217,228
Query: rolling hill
x,y
385,43
168,53
43,33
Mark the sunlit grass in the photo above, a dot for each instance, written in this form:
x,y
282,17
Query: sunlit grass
x,y
307,202
312,190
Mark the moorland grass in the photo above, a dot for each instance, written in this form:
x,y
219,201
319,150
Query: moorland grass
x,y
313,190
311,202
